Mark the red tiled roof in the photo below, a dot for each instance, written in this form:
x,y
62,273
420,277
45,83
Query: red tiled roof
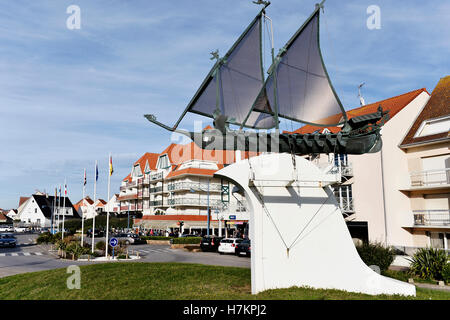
x,y
394,105
437,106
127,178
22,200
151,158
3,217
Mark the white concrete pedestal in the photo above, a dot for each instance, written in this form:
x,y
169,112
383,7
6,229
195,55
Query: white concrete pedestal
x,y
299,236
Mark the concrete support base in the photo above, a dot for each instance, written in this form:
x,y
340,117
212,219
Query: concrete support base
x,y
299,236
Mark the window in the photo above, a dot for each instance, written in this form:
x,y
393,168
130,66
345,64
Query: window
x,y
433,126
35,210
163,162
340,159
437,240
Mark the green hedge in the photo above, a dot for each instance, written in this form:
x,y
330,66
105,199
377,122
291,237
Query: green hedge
x,y
187,240
376,254
155,238
47,237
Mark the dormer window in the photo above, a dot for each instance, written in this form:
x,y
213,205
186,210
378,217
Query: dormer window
x,y
147,168
137,171
433,126
163,162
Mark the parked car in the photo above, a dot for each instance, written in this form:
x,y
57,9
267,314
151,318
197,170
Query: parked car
x,y
6,228
188,236
210,243
7,240
97,233
243,248
129,238
228,245
21,229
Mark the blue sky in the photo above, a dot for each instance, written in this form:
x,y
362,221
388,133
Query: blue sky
x,y
69,97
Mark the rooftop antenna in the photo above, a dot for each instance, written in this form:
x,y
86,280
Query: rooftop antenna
x,y
361,99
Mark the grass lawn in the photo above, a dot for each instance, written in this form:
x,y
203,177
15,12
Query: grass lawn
x,y
168,281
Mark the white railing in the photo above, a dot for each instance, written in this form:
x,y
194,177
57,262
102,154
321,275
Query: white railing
x,y
194,202
430,177
343,170
346,204
213,187
156,176
431,217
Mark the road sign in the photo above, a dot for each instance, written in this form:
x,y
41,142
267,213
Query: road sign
x,y
113,242
232,217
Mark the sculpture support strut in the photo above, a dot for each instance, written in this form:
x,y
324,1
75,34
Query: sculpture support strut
x,y
299,236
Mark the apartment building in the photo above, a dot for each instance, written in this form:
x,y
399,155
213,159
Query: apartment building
x,y
426,147
177,185
369,193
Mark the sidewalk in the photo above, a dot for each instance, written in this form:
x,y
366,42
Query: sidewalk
x,y
432,286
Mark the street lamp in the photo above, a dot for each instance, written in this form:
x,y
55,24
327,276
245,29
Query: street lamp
x,y
208,220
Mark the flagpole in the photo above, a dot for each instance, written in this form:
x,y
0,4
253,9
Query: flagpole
x,y
93,219
82,205
64,206
53,213
59,207
107,209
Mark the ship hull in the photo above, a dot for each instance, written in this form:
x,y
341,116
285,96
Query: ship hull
x,y
298,144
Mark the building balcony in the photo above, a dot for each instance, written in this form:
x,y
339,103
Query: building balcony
x,y
194,202
144,193
129,196
182,186
143,181
156,189
430,178
156,176
346,205
156,203
432,218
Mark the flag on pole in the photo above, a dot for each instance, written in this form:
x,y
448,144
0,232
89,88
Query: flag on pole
x,y
84,182
56,193
65,189
111,170
60,191
96,171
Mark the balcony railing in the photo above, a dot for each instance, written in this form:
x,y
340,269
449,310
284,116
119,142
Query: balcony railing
x,y
143,180
156,176
346,204
194,202
156,203
343,170
213,187
430,178
431,217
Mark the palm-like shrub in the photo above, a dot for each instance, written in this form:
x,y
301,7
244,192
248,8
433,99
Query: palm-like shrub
x,y
429,263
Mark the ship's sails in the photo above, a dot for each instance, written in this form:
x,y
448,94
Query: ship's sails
x,y
235,81
298,83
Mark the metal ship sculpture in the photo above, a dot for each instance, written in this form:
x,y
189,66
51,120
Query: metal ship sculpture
x,y
297,88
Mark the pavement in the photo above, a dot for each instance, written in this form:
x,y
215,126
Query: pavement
x,y
30,257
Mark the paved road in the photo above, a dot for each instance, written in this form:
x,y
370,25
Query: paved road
x,y
29,257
